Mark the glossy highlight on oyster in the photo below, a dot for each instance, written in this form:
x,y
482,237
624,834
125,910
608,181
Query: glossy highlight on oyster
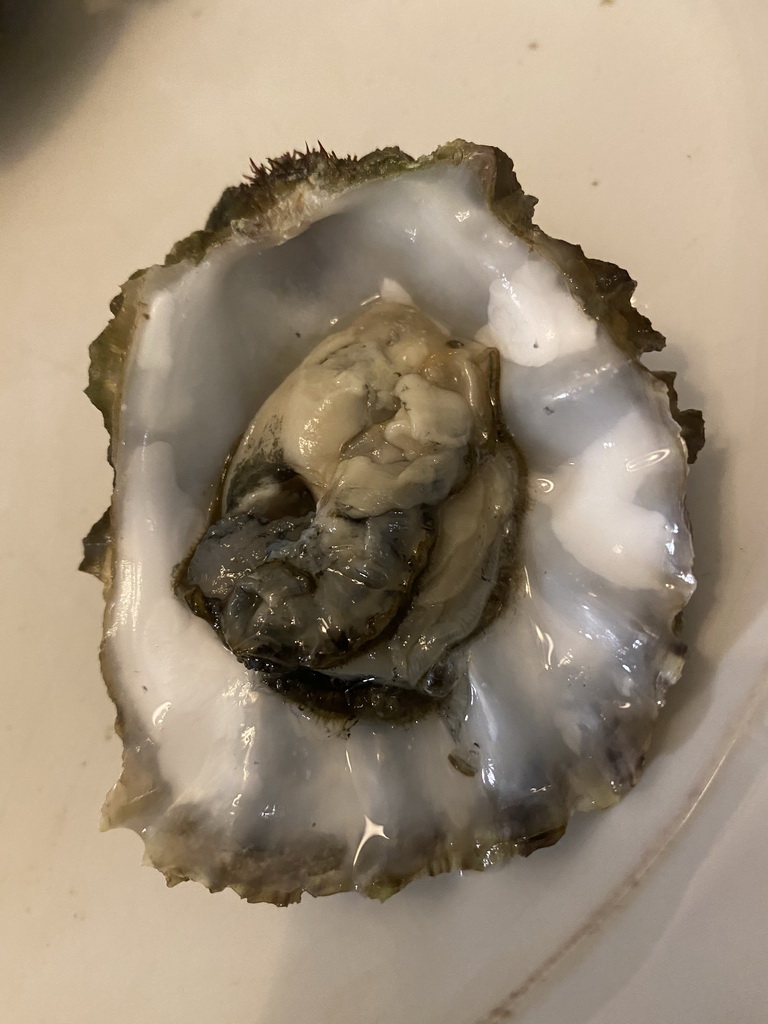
x,y
397,547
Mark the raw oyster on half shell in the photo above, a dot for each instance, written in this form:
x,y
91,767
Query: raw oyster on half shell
x,y
397,548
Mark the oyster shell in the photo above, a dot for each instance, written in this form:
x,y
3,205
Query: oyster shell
x,y
459,730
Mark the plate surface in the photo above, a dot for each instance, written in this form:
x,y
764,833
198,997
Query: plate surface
x,y
641,129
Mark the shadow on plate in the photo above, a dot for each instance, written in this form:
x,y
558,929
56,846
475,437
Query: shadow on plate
x,y
49,50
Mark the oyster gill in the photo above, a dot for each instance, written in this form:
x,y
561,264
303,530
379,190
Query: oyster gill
x,y
225,780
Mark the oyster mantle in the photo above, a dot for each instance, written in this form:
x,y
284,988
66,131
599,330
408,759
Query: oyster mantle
x,y
226,781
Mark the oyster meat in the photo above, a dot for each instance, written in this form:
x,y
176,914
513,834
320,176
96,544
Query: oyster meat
x,y
342,567
397,547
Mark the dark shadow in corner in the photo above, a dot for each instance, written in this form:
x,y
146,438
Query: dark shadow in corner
x,y
49,49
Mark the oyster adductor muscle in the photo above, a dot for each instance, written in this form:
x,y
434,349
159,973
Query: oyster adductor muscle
x,y
397,547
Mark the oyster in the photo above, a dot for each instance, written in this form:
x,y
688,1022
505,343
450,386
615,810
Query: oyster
x,y
342,567
397,547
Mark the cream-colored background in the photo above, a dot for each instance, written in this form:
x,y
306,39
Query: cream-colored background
x,y
641,127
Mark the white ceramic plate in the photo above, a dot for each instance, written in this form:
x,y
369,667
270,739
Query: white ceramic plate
x,y
641,129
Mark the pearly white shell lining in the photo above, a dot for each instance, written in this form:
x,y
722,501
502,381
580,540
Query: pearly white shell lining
x,y
564,685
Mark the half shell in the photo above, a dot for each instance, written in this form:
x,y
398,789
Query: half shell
x,y
227,781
